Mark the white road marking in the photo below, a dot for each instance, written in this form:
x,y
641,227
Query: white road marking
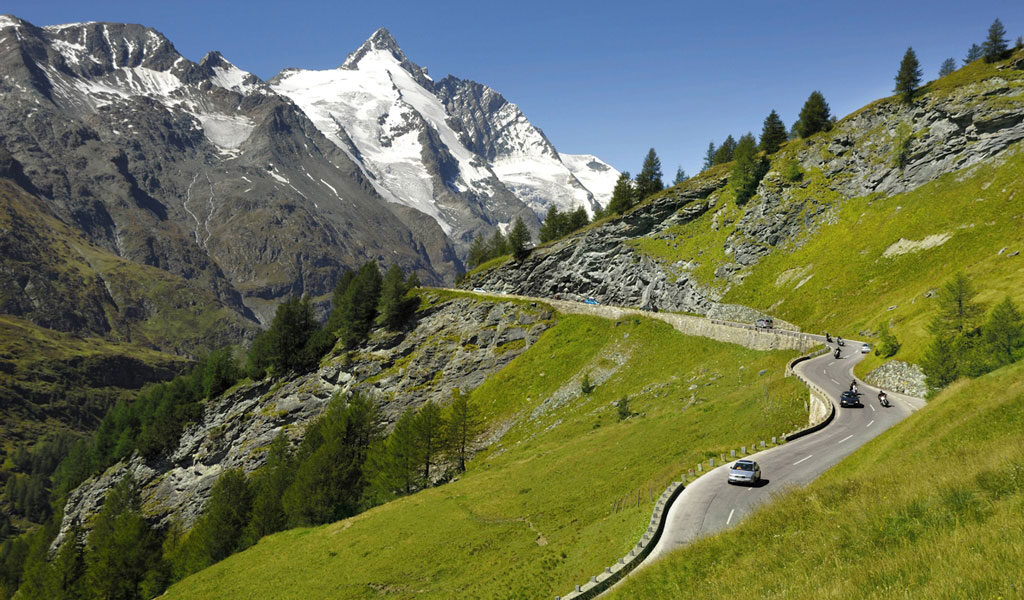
x,y
834,380
871,423
845,438
872,408
802,459
729,520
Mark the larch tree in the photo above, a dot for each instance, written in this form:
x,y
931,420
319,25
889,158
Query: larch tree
x,y
748,168
773,133
947,67
709,157
1003,333
908,78
681,176
995,45
429,428
973,54
462,427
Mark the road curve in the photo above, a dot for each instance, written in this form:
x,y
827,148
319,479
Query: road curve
x,y
710,504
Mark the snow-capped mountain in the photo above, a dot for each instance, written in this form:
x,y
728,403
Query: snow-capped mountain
x,y
200,169
440,146
254,191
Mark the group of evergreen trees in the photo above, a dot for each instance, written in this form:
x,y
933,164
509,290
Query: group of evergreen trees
x,y
152,424
560,224
963,345
342,466
628,192
517,243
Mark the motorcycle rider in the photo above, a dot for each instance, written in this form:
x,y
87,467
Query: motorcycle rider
x,y
853,386
882,398
837,352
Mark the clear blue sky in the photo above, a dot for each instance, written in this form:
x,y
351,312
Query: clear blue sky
x,y
601,78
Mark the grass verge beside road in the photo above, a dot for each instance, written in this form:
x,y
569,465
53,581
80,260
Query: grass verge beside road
x,y
930,509
566,490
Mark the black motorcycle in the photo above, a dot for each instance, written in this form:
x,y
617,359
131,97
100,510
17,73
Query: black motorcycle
x,y
837,353
883,399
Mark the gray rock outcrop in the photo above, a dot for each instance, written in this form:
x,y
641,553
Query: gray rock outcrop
x,y
455,344
899,376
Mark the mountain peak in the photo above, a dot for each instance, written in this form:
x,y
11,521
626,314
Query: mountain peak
x,y
383,41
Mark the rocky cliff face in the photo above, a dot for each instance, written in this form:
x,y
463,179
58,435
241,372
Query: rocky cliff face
x,y
602,263
456,343
886,148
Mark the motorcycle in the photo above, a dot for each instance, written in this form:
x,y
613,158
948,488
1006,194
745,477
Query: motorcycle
x,y
883,399
853,387
837,353
828,338
839,341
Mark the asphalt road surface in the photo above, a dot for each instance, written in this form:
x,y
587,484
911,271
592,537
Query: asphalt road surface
x,y
710,504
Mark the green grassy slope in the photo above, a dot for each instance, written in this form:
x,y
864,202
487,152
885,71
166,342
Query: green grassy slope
x,y
931,509
534,514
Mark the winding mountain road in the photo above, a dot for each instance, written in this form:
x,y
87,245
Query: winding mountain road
x,y
710,504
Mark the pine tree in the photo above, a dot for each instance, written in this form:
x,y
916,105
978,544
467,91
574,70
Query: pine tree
x,y
725,152
1019,44
773,133
518,240
709,157
622,194
995,44
973,54
681,176
429,428
908,78
748,169
461,428
947,67
218,531
354,316
958,312
814,116
648,181
1003,333
401,464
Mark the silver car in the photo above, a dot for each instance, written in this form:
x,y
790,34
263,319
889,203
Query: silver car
x,y
745,471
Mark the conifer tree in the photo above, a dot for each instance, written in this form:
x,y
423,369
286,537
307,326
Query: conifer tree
x,y
948,66
725,152
577,219
973,54
1019,44
429,428
908,78
709,157
217,533
814,116
355,315
268,486
681,176
748,169
401,457
622,194
940,363
518,240
648,181
121,547
995,44
1003,333
461,428
498,245
553,226
773,133
958,312
477,252
395,307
